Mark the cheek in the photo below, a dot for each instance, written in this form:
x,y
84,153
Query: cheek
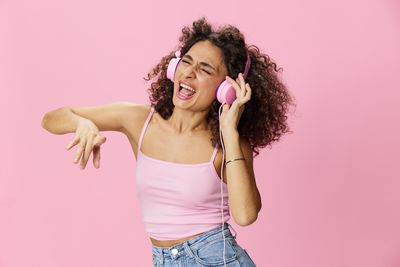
x,y
211,89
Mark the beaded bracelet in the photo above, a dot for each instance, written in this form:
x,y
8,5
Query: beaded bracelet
x,y
233,160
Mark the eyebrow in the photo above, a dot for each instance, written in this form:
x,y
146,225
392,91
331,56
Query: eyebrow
x,y
201,63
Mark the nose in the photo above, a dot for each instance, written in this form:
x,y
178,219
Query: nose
x,y
189,71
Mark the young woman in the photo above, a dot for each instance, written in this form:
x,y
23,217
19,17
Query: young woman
x,y
210,111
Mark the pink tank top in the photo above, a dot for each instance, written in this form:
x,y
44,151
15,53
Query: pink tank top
x,y
178,200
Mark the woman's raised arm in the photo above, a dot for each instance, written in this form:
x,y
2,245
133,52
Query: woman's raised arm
x,y
87,122
108,117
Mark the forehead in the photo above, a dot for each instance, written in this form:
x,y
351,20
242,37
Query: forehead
x,y
207,52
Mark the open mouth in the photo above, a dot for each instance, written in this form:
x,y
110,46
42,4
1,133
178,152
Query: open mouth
x,y
186,91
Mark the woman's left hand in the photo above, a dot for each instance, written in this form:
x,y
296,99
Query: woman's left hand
x,y
231,113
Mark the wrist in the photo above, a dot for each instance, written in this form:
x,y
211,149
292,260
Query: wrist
x,y
234,159
230,134
85,123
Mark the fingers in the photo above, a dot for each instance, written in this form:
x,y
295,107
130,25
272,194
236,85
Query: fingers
x,y
96,151
96,157
248,92
85,147
225,108
73,142
242,85
100,140
93,144
79,151
86,154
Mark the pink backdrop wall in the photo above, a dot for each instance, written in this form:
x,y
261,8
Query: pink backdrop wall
x,y
330,190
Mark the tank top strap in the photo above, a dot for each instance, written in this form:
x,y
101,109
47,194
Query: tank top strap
x,y
144,127
214,154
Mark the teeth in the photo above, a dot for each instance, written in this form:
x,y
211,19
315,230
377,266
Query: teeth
x,y
187,87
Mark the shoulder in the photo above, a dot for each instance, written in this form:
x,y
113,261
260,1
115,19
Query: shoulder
x,y
134,117
135,110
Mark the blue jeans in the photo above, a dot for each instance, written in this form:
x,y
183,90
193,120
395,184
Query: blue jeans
x,y
206,249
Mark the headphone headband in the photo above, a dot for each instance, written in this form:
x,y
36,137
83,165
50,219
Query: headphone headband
x,y
247,67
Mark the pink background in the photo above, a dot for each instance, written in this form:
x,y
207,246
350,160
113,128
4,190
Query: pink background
x,y
330,190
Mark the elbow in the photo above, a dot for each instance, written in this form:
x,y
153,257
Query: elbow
x,y
247,216
44,121
246,220
49,117
47,122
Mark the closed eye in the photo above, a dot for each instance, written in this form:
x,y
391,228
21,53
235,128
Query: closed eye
x,y
184,61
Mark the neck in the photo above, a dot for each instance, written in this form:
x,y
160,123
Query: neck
x,y
187,121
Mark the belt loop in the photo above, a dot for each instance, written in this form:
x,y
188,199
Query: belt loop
x,y
162,257
187,249
234,236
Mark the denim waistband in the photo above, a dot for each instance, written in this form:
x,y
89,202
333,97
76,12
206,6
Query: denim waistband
x,y
194,243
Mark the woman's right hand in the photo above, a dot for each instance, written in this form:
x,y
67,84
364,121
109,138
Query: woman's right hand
x,y
88,138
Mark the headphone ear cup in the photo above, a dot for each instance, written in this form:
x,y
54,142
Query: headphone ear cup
x,y
226,93
172,66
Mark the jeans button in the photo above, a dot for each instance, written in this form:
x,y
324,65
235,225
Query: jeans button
x,y
174,251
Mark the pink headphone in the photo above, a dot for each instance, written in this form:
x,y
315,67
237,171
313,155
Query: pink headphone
x,y
225,91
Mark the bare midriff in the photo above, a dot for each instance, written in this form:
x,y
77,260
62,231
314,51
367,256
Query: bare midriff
x,y
169,243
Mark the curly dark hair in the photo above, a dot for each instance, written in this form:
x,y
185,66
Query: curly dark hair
x,y
264,118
